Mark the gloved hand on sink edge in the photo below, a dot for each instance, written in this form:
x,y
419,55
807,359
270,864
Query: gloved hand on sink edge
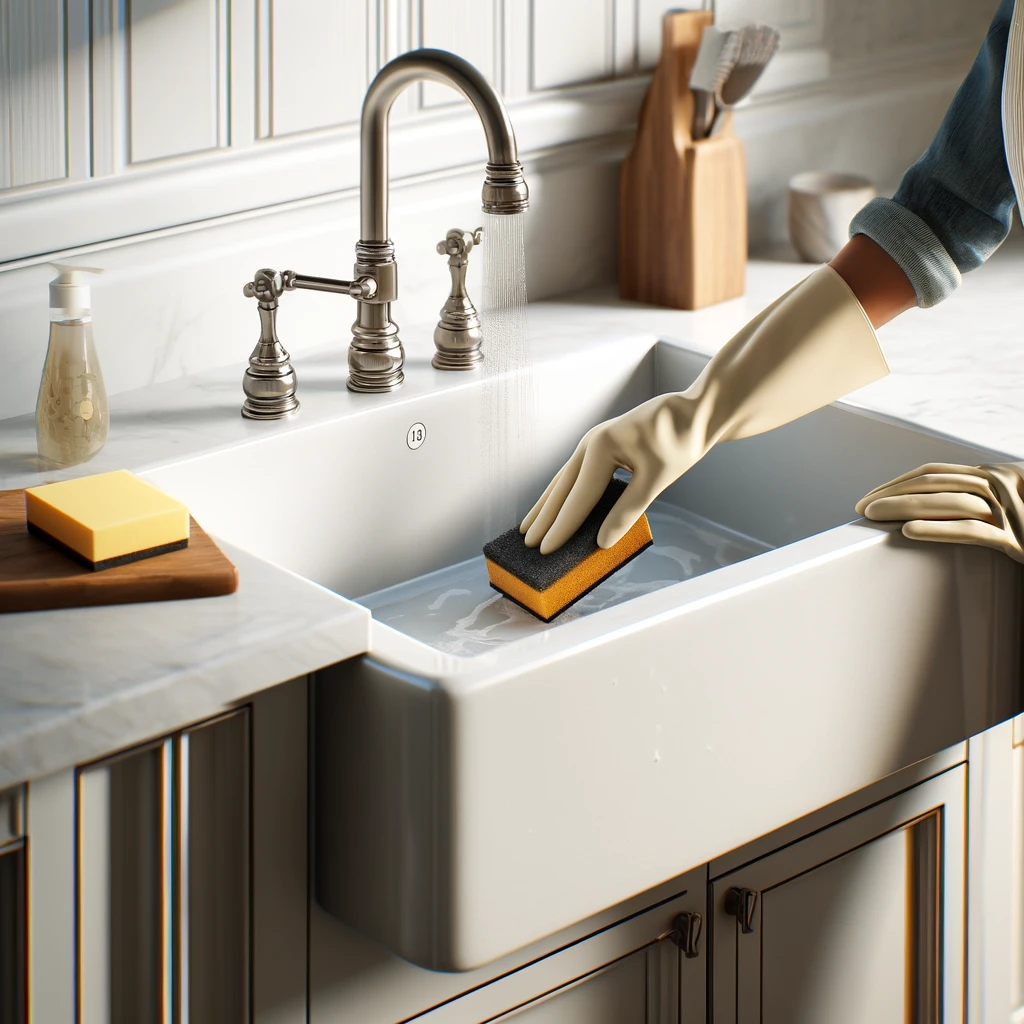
x,y
955,505
811,346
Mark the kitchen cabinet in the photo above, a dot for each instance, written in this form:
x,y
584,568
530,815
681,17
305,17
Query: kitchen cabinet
x,y
862,920
172,882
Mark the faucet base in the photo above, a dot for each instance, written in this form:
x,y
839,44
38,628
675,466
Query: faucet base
x,y
457,360
281,411
375,384
375,354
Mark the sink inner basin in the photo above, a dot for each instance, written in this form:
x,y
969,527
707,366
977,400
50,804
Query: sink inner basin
x,y
455,609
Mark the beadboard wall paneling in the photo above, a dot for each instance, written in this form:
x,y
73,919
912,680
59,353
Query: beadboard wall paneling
x,y
319,62
572,41
32,114
466,27
178,57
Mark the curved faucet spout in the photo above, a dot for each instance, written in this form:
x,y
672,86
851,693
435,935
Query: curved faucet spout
x,y
504,187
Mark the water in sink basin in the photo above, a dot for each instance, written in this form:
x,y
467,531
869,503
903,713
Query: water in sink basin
x,y
456,611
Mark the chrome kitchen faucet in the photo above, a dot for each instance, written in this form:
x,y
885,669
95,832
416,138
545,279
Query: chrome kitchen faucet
x,y
375,355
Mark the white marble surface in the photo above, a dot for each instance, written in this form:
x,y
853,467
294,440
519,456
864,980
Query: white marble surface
x,y
79,683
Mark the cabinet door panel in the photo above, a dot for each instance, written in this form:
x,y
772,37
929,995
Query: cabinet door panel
x,y
123,887
615,995
861,921
857,903
215,870
12,933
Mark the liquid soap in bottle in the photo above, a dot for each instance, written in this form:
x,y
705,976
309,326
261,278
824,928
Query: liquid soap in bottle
x,y
71,411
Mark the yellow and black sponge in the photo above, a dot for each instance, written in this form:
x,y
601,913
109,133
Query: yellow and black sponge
x,y
547,584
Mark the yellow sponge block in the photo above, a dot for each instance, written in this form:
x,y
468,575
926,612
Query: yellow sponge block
x,y
107,519
547,584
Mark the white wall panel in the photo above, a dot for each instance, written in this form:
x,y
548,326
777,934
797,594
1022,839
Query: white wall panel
x,y
109,88
174,63
32,116
319,63
573,41
466,27
6,152
79,124
801,22
649,14
242,73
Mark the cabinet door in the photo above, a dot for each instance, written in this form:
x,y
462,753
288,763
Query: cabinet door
x,y
862,921
13,978
163,879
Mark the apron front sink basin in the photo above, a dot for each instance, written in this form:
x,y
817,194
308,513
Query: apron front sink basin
x,y
483,779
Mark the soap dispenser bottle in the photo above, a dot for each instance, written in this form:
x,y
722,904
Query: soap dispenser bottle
x,y
71,411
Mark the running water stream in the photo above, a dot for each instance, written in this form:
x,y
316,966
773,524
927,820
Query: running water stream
x,y
507,408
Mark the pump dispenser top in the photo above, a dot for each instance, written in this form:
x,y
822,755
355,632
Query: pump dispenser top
x,y
70,290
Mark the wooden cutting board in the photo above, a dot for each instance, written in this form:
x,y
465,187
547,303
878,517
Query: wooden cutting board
x,y
34,575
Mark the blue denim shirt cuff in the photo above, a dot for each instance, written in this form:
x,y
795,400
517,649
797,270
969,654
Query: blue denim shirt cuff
x,y
913,245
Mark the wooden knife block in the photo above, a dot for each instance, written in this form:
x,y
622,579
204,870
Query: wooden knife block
x,y
682,204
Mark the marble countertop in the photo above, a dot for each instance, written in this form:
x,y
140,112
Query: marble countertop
x,y
79,683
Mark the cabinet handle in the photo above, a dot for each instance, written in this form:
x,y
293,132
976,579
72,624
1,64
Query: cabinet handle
x,y
742,904
685,933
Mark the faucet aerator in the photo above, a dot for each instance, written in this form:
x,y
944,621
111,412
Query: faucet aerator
x,y
505,190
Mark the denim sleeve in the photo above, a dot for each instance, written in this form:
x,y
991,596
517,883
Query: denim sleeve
x,y
955,205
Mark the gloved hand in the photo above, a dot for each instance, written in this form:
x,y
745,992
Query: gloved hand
x,y
956,505
808,348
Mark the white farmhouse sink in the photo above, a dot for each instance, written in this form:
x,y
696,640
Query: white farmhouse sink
x,y
481,779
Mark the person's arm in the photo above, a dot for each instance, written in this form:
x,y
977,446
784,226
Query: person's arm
x,y
876,279
954,206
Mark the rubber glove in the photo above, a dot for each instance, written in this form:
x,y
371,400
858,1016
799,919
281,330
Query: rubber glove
x,y
811,346
956,505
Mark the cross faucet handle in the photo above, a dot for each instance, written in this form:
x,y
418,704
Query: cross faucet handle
x,y
458,244
267,285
